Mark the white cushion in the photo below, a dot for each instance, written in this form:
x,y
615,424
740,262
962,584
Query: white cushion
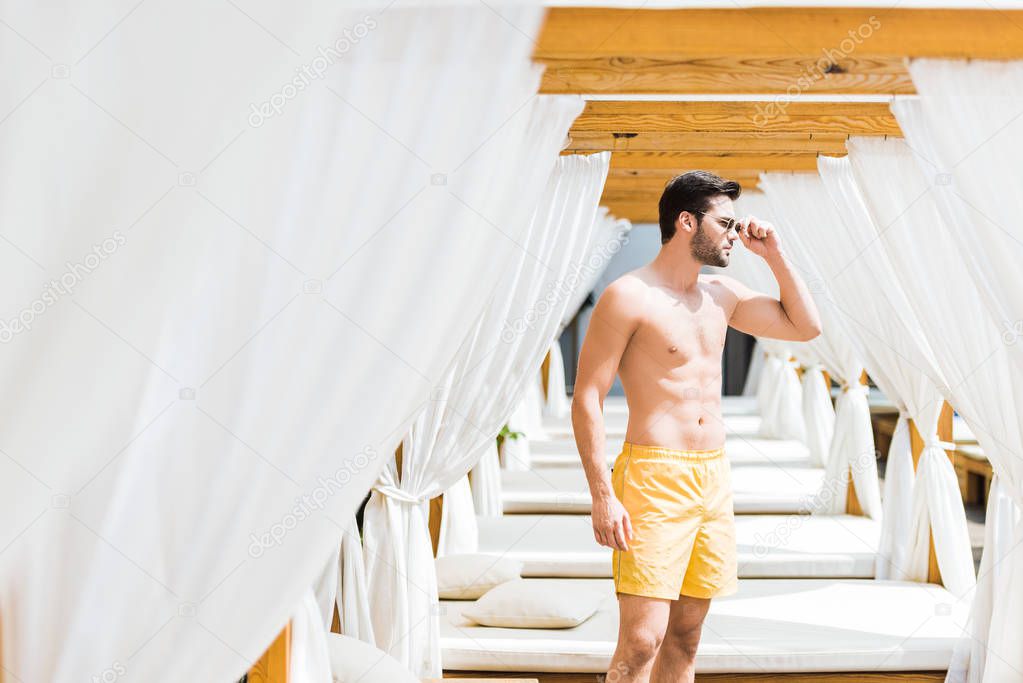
x,y
353,660
757,489
537,603
769,546
769,626
467,577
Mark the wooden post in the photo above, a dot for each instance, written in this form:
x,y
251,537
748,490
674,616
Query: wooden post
x,y
436,510
545,373
275,664
917,444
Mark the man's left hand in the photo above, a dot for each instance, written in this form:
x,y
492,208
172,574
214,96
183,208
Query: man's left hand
x,y
760,237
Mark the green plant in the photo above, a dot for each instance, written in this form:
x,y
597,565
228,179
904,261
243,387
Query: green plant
x,y
507,433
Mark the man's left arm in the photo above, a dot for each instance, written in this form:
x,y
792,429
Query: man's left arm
x,y
792,317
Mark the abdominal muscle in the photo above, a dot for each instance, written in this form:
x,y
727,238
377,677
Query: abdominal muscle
x,y
673,407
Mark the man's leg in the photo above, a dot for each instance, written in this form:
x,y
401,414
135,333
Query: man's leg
x,y
676,658
641,625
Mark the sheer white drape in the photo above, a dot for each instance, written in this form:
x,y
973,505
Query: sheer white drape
x,y
779,392
796,200
186,428
908,227
965,131
801,200
465,413
866,284
485,482
556,402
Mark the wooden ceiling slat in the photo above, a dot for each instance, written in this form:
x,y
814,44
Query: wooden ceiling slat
x,y
654,185
582,141
804,32
763,117
721,75
672,163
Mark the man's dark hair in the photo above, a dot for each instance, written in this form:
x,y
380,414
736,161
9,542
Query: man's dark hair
x,y
691,191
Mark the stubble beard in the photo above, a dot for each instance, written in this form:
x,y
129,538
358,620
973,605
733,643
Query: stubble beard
x,y
705,251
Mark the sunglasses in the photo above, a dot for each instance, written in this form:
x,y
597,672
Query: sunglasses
x,y
731,223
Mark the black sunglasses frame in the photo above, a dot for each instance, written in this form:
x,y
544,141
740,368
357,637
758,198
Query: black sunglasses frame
x,y
733,223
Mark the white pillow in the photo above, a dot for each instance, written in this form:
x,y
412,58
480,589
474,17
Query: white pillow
x,y
467,577
538,603
353,660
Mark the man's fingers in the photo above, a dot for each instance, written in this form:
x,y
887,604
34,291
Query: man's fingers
x,y
627,523
620,537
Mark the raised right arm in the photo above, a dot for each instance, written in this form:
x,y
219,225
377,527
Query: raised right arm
x,y
615,318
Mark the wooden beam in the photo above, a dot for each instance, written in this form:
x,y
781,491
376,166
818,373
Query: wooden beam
x,y
653,184
275,664
583,141
761,117
916,442
819,33
678,162
719,75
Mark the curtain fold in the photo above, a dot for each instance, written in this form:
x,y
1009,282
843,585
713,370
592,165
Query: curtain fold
x,y
352,598
491,372
779,392
964,132
485,482
195,417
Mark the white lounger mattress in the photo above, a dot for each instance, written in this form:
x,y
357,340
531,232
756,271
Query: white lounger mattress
x,y
769,626
770,546
756,489
740,451
615,425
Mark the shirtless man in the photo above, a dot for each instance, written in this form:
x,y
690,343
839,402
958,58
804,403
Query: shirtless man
x,y
666,507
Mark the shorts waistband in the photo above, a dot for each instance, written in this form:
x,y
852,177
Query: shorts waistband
x,y
658,452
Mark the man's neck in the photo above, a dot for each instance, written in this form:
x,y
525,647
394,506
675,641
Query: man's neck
x,y
676,267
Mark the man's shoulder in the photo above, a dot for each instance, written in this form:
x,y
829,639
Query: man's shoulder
x,y
624,296
628,288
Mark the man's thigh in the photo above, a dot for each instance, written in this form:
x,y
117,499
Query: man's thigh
x,y
641,616
686,614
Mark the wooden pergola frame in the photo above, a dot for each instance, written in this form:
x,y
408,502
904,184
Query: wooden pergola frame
x,y
775,55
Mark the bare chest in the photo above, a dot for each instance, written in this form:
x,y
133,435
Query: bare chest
x,y
675,332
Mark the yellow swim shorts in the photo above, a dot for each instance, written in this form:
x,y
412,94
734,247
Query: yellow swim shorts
x,y
683,524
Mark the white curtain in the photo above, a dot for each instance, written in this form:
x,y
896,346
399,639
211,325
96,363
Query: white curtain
x,y
796,198
965,132
459,533
908,227
485,482
263,296
556,402
779,392
497,359
866,284
352,602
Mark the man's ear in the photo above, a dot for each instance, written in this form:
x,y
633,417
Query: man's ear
x,y
685,221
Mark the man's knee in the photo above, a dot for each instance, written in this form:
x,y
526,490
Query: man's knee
x,y
639,647
684,638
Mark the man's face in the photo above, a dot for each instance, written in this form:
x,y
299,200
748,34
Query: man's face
x,y
712,241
